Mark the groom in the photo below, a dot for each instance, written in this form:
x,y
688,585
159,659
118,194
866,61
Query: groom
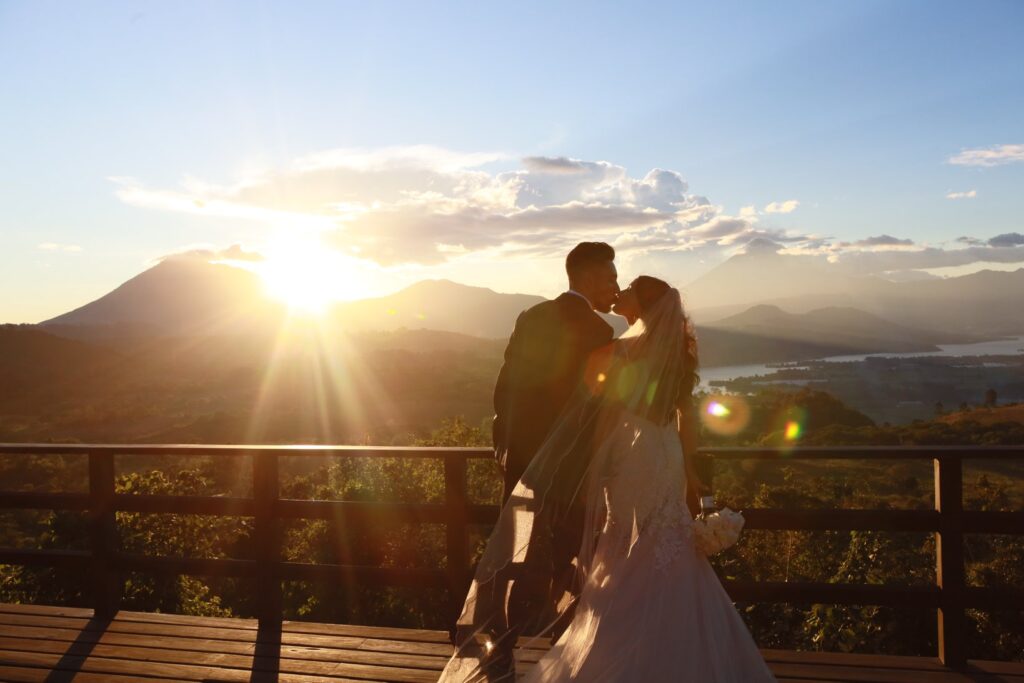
x,y
546,358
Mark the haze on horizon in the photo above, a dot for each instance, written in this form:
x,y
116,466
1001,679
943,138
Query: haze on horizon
x,y
345,151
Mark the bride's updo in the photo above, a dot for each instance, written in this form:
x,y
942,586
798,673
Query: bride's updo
x,y
649,291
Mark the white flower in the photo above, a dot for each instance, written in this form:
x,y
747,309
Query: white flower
x,y
717,531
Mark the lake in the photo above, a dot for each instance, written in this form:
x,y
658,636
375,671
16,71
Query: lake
x,y
1001,347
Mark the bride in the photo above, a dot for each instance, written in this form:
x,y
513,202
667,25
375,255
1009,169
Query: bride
x,y
650,607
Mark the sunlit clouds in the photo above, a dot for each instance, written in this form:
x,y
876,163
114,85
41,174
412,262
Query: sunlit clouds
x,y
426,205
990,156
331,223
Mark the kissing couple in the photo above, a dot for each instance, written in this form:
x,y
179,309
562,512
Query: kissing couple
x,y
594,549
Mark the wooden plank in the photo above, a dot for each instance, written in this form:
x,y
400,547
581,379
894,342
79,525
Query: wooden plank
x,y
365,575
103,536
244,450
153,670
949,562
854,659
361,512
187,505
237,635
43,500
992,522
832,593
190,566
382,670
16,674
870,675
841,520
861,452
344,649
72,559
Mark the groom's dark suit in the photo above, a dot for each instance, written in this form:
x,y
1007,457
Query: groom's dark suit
x,y
544,363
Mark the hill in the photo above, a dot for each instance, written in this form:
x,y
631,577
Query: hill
x,y
986,416
437,305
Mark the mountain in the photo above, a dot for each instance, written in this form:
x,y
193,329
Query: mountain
x,y
437,305
177,296
759,276
848,329
986,303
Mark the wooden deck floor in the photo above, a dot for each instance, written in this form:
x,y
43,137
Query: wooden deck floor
x,y
62,644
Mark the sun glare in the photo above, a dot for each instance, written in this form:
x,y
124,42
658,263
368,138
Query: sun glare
x,y
304,277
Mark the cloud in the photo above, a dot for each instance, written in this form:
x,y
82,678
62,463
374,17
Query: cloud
x,y
788,206
991,156
552,165
970,194
1010,239
870,262
209,252
425,205
880,242
972,241
56,246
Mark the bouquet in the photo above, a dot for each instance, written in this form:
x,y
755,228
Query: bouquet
x,y
716,531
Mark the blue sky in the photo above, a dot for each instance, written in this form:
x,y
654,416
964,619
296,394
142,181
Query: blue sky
x,y
135,130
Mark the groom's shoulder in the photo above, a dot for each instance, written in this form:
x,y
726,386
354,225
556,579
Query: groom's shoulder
x,y
566,310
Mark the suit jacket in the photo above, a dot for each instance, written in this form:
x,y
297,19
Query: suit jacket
x,y
545,361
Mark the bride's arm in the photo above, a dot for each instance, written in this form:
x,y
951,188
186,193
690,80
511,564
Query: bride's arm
x,y
689,428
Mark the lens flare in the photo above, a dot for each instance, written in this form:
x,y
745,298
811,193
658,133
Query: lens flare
x,y
718,409
790,425
725,414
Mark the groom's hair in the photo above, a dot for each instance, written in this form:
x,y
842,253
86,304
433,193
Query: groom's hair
x,y
587,254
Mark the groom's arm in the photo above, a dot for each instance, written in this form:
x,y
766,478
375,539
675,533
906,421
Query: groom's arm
x,y
504,389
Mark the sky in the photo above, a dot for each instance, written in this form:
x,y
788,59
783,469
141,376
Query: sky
x,y
351,149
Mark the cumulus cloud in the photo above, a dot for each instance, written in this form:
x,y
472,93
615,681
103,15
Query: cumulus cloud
x,y
990,156
788,206
426,205
970,194
57,246
1010,239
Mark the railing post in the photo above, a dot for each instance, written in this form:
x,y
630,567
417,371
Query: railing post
x,y
265,492
106,583
457,529
949,561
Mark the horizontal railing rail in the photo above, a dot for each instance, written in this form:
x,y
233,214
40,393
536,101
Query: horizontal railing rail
x,y
949,596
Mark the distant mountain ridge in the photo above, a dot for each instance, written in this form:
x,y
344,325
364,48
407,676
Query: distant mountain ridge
x,y
437,305
192,298
837,326
985,303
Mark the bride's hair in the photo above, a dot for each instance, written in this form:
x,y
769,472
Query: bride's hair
x,y
648,291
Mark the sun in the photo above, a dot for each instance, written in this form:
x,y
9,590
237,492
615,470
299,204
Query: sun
x,y
306,278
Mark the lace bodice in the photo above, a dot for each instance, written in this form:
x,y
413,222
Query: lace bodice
x,y
644,491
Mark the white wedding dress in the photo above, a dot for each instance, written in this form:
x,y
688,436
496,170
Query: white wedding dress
x,y
652,608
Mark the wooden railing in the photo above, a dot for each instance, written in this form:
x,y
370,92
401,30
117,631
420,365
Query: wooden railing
x,y
105,563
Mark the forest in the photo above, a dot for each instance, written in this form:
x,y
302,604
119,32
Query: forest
x,y
828,556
